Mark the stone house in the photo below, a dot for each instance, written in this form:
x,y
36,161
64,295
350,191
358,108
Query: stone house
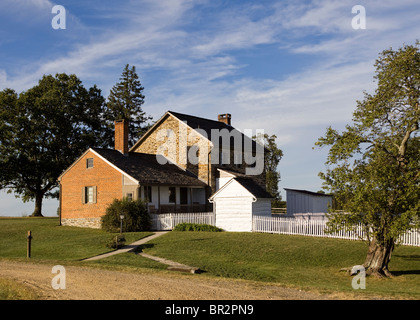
x,y
177,165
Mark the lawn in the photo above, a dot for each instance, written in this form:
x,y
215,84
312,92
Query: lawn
x,y
307,263
53,242
294,261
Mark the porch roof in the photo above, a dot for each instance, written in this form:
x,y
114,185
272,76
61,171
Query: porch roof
x,y
146,169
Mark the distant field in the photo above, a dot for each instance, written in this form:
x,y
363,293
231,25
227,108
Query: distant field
x,y
294,261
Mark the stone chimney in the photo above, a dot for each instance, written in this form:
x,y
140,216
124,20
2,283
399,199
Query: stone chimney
x,y
226,117
121,136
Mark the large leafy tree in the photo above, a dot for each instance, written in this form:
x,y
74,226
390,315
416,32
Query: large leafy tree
x,y
125,102
42,131
374,164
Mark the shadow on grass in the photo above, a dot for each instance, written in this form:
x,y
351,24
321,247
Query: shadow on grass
x,y
404,272
408,257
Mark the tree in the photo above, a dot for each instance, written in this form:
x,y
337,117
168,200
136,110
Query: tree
x,y
374,164
125,102
42,131
271,161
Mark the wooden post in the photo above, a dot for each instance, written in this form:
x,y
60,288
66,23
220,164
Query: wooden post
x,y
28,251
159,210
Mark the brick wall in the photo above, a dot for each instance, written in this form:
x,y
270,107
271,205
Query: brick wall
x,y
108,183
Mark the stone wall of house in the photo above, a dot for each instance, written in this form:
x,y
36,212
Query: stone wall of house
x,y
108,185
175,140
94,223
172,136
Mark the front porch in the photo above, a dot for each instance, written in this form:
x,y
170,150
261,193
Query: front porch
x,y
175,199
179,208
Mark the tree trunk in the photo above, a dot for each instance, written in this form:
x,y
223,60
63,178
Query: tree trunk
x,y
38,205
378,257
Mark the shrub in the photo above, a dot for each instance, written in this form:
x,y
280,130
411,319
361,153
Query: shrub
x,y
116,242
136,216
185,226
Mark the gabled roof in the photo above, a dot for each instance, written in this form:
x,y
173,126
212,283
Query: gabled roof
x,y
254,188
198,123
201,123
250,185
146,169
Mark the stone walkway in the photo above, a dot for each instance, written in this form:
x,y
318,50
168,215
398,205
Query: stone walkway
x,y
129,247
175,266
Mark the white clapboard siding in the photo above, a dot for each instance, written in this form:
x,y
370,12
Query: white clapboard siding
x,y
262,207
316,228
234,214
167,221
234,206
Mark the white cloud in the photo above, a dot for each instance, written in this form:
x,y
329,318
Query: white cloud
x,y
199,72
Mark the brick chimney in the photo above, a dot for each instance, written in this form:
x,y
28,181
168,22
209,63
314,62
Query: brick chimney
x,y
224,118
121,136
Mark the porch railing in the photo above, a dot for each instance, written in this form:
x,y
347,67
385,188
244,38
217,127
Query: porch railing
x,y
167,221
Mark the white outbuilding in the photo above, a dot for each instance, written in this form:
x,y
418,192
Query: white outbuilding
x,y
307,203
237,201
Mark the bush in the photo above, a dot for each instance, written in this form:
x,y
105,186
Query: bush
x,y
185,226
136,216
116,242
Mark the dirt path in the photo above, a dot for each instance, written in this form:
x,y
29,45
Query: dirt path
x,y
83,283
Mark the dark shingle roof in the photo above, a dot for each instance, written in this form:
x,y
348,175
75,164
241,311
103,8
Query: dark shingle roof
x,y
253,187
207,125
309,192
146,169
202,123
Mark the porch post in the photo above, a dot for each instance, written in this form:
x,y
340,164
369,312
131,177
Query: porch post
x,y
191,202
159,199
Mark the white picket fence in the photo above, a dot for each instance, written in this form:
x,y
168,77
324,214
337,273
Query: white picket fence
x,y
316,228
282,225
168,221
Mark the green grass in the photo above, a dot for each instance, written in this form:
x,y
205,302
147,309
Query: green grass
x,y
294,261
53,242
307,263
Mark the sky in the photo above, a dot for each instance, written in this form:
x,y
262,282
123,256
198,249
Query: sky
x,y
292,68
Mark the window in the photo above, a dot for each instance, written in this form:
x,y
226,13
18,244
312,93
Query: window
x,y
89,194
89,163
172,195
148,193
183,195
129,196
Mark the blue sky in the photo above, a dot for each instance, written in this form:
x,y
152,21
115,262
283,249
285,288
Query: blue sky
x,y
291,68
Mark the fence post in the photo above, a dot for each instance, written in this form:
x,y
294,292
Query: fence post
x,y
28,249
